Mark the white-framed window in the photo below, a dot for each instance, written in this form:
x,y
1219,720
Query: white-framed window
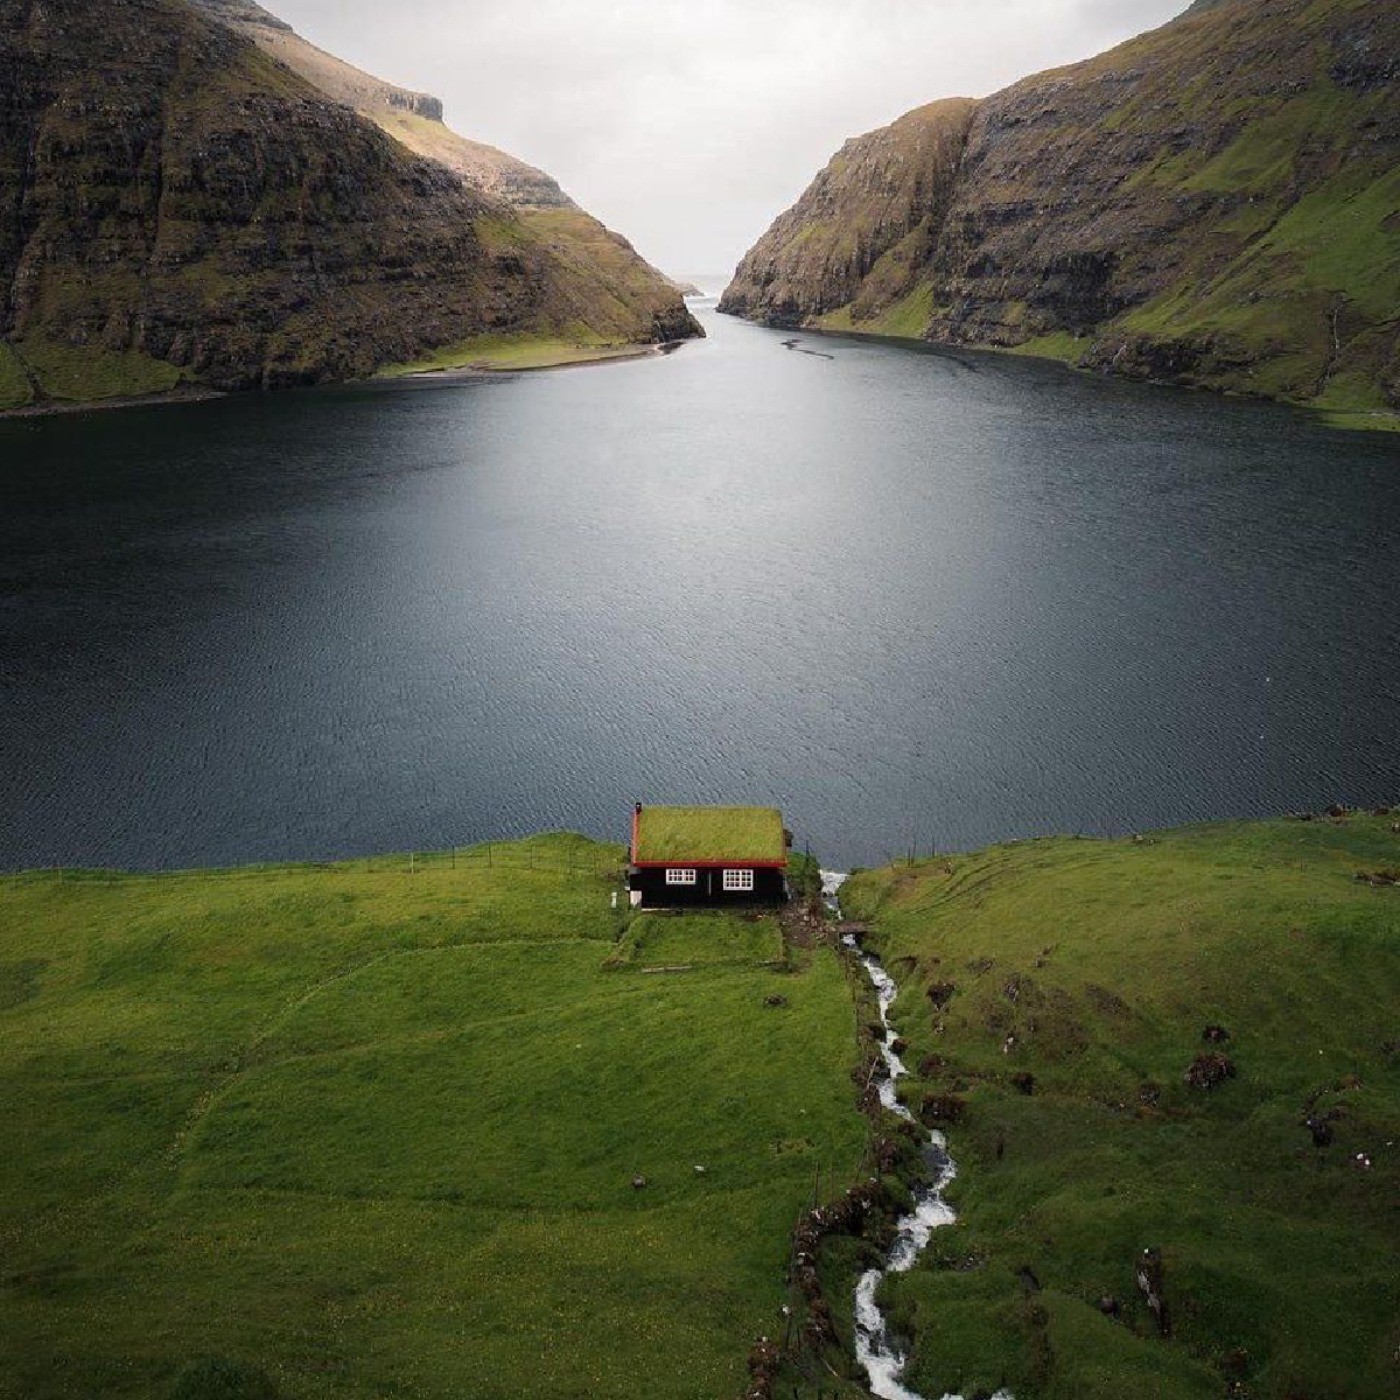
x,y
737,881
681,877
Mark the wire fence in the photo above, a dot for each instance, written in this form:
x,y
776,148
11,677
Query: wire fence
x,y
583,861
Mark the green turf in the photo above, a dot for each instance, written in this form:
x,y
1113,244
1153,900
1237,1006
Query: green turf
x,y
91,373
906,319
1062,346
1096,967
710,834
658,940
515,352
15,390
370,1130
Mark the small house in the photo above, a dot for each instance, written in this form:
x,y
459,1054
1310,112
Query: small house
x,y
708,856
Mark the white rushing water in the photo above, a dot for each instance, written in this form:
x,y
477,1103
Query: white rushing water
x,y
883,1362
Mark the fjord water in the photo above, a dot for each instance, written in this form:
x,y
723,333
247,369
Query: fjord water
x,y
913,598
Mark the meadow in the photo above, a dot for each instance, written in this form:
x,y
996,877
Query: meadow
x,y
375,1128
1056,996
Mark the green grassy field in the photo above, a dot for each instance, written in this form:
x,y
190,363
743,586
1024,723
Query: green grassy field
x,y
371,1129
1095,968
693,940
506,353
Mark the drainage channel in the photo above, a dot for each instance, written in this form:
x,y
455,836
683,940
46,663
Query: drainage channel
x,y
884,1363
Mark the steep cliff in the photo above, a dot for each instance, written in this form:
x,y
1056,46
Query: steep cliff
x,y
1214,203
598,279
176,207
414,118
865,228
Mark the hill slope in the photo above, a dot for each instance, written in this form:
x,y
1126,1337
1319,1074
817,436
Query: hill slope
x,y
316,1131
1054,995
177,207
1214,203
596,278
372,1129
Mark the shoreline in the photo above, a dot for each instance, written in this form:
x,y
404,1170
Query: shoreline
x,y
447,375
1338,419
63,408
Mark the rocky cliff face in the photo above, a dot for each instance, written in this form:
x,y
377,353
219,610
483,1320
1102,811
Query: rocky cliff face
x,y
597,268
1215,203
863,228
414,118
175,206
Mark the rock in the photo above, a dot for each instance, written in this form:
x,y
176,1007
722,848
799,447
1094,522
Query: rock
x,y
765,1361
1149,1094
1109,1306
1150,1285
1207,1071
939,1110
1321,1130
639,1183
941,993
1234,1365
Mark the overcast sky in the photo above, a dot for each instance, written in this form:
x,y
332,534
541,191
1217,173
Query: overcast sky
x,y
688,125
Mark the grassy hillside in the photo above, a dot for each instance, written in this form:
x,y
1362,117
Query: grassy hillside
x,y
371,1129
1055,995
1214,203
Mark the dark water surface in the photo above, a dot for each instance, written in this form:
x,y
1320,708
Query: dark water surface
x,y
910,597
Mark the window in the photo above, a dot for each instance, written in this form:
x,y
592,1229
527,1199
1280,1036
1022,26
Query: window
x,y
736,881
680,877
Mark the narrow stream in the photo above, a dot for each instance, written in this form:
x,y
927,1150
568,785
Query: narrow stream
x,y
883,1362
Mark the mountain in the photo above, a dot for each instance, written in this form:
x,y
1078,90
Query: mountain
x,y
178,207
601,278
1215,203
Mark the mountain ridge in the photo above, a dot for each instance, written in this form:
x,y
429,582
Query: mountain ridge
x,y
1213,203
180,210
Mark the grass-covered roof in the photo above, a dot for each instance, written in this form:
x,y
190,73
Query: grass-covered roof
x,y
710,835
